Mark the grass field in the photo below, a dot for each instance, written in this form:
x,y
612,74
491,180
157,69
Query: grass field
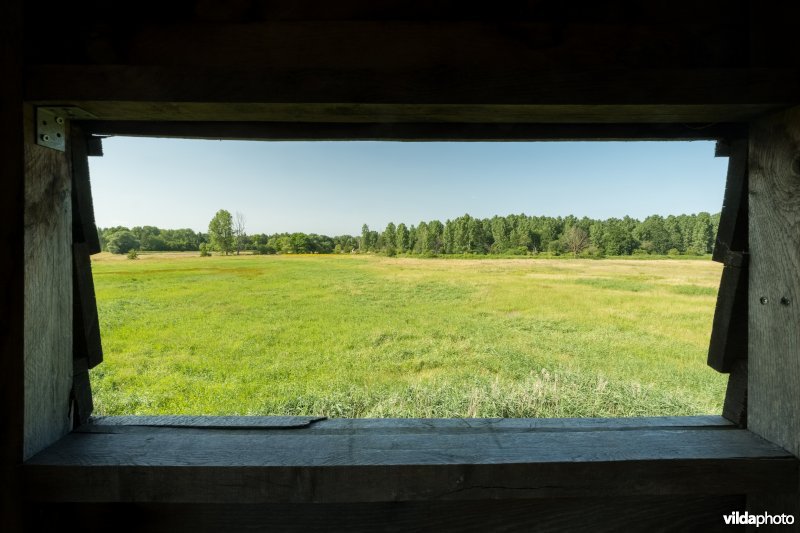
x,y
364,336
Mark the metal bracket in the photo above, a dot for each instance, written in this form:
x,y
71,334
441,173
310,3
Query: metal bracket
x,y
51,125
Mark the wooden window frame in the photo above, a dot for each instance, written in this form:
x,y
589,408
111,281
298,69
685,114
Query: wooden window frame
x,y
297,461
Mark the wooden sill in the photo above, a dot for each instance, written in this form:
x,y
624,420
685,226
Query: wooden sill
x,y
306,460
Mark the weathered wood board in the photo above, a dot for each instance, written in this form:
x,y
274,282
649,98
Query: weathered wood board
x,y
774,317
48,293
396,460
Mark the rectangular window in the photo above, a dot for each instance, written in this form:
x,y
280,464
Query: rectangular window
x,y
378,279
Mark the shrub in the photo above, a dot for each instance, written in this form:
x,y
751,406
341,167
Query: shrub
x,y
673,251
204,251
133,254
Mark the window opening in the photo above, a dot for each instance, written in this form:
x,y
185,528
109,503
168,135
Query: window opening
x,y
381,279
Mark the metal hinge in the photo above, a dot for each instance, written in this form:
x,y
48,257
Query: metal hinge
x,y
51,125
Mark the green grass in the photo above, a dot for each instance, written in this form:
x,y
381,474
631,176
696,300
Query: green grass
x,y
365,336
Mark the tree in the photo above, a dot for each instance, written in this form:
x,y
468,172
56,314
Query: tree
x,y
653,234
239,235
220,229
363,245
575,239
122,242
703,234
389,238
401,238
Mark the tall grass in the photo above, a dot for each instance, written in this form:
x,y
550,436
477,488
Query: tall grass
x,y
365,336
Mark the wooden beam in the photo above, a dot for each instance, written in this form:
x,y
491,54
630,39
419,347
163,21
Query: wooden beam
x,y
110,424
83,226
774,345
735,406
732,232
86,342
81,393
120,92
12,271
598,514
402,43
103,423
275,131
330,462
728,342
48,292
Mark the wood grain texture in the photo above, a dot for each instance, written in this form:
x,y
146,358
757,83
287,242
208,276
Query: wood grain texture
x,y
733,230
84,229
652,514
410,131
48,293
340,464
774,345
12,271
86,341
728,342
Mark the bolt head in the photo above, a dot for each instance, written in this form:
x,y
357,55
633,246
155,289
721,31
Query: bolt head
x,y
764,300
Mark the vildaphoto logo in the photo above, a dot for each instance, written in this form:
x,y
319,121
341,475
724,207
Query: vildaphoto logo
x,y
740,519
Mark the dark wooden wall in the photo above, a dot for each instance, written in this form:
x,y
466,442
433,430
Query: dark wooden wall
x,y
394,69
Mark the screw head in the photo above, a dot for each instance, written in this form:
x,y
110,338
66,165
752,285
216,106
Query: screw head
x,y
764,300
59,120
45,137
785,300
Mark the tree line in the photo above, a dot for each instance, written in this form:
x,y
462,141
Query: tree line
x,y
508,235
522,235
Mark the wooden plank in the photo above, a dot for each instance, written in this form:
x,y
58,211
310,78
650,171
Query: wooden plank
x,y
674,513
86,340
102,423
48,293
728,342
414,44
308,465
774,343
414,425
735,406
405,131
722,148
83,226
12,272
697,117
81,393
94,146
649,95
732,232
513,33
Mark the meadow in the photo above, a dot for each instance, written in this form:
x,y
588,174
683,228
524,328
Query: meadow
x,y
372,336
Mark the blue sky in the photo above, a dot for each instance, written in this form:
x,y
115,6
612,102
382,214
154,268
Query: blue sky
x,y
334,187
